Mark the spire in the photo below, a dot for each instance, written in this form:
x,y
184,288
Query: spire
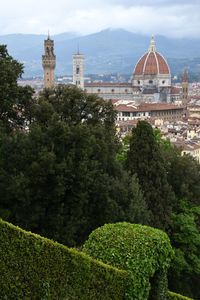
x,y
152,47
78,52
48,37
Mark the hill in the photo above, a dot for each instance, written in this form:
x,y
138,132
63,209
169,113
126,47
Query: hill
x,y
105,51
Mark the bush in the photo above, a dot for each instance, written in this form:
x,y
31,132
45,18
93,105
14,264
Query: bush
x,y
33,267
143,251
174,296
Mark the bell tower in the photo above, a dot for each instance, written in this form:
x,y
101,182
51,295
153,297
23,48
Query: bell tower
x,y
49,62
185,87
78,70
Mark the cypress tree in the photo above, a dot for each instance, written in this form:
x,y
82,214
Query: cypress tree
x,y
144,159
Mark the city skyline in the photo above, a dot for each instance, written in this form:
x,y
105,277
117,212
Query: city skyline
x,y
178,18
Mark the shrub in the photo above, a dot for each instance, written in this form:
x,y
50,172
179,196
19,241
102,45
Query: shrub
x,y
174,296
143,251
33,267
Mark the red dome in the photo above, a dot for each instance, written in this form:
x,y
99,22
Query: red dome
x,y
152,63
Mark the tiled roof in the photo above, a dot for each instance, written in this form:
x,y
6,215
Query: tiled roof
x,y
143,107
151,63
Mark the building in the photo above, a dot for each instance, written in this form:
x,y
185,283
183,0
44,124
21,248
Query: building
x,y
78,70
152,76
160,111
185,88
150,82
49,62
189,148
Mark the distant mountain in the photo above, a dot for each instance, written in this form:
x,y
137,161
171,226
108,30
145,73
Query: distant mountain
x,y
107,51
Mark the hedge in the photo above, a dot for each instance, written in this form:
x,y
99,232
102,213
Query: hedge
x,y
32,267
143,251
174,296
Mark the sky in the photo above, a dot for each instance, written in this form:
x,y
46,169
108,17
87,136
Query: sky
x,y
174,18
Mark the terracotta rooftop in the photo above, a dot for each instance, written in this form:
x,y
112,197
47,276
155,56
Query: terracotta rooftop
x,y
158,106
146,107
187,146
151,63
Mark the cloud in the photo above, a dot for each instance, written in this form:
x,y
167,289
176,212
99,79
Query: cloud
x,y
176,18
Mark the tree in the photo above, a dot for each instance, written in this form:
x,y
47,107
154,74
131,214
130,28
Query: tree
x,y
184,275
183,174
61,178
15,101
145,160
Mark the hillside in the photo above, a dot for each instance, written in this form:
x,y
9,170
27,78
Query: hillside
x,y
105,51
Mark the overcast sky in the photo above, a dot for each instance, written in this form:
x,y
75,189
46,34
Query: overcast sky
x,y
177,18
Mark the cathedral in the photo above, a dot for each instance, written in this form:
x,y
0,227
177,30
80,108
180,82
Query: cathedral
x,y
150,80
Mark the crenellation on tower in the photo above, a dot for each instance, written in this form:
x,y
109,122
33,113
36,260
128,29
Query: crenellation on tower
x,y
49,62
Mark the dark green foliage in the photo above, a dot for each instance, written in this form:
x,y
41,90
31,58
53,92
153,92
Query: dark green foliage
x,y
15,101
33,267
61,178
143,251
145,160
174,296
184,275
184,176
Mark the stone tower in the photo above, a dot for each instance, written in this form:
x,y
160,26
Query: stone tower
x,y
78,70
185,87
49,62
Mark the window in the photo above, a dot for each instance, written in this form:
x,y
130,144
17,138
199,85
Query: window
x,y
77,70
126,90
112,90
99,90
163,82
138,82
126,114
150,81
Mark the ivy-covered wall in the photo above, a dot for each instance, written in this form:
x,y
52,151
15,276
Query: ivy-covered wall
x,y
33,267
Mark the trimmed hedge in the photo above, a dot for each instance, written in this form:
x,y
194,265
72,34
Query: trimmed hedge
x,y
32,267
174,296
143,251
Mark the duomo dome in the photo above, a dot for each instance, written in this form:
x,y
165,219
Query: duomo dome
x,y
152,63
152,72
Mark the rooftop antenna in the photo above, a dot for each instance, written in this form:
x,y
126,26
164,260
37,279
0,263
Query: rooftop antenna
x,y
78,52
48,35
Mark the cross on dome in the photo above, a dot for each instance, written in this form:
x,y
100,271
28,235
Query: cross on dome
x,y
152,47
